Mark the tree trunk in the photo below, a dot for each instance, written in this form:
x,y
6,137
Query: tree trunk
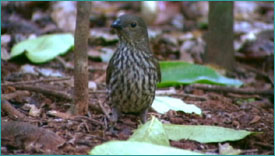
x,y
219,39
81,59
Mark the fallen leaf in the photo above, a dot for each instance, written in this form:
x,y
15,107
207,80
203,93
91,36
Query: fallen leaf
x,y
226,149
137,148
204,134
44,48
151,132
163,104
178,73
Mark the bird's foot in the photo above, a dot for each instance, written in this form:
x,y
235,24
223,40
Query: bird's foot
x,y
143,116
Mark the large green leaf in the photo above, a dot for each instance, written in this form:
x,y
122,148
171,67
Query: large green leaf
x,y
152,132
163,104
137,148
177,73
204,134
44,48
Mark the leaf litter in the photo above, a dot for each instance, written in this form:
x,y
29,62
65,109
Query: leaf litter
x,y
82,134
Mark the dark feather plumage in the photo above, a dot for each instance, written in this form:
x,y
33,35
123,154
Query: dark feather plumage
x,y
133,71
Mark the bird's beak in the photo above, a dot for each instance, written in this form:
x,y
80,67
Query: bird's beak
x,y
116,24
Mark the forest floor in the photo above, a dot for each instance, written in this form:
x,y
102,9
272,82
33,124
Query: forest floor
x,y
78,135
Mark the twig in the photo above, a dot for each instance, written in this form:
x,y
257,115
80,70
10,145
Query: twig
x,y
67,116
264,145
161,92
98,92
266,76
91,69
249,151
242,96
268,92
71,67
59,114
89,119
55,93
63,63
68,66
12,112
203,98
15,94
104,110
100,78
34,81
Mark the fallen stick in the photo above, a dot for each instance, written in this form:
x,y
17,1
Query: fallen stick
x,y
104,110
15,94
260,73
34,81
98,92
12,112
203,98
59,114
268,92
89,119
161,93
68,66
265,145
242,96
68,116
55,93
62,62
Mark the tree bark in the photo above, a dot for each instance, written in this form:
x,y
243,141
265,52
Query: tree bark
x,y
81,59
219,39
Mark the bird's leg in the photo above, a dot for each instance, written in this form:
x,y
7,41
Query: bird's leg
x,y
115,114
113,120
143,115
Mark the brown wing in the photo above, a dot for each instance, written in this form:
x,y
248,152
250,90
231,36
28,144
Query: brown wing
x,y
156,63
108,74
109,69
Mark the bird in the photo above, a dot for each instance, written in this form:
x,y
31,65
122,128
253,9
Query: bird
x,y
133,72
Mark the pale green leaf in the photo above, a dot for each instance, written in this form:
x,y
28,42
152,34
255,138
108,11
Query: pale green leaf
x,y
163,104
204,134
44,48
152,132
137,148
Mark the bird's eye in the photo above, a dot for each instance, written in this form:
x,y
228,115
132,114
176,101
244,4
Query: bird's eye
x,y
133,25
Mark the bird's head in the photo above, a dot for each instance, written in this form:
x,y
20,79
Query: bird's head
x,y
131,29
